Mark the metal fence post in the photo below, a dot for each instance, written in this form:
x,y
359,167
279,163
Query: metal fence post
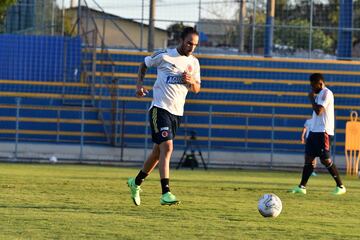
x,y
58,125
186,130
209,133
18,100
122,144
142,26
116,121
253,30
82,129
246,132
311,27
272,136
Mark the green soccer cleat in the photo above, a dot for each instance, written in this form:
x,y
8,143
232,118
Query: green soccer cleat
x,y
339,190
134,191
168,199
298,189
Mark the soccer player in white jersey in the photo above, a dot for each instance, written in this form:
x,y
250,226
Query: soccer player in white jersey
x,y
306,130
178,72
321,130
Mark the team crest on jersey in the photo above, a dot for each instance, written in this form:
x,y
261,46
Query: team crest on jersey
x,y
164,134
189,68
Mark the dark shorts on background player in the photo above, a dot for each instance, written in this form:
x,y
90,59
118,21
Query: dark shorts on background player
x,y
318,144
163,125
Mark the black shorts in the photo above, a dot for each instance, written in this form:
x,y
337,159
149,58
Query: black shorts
x,y
163,125
318,144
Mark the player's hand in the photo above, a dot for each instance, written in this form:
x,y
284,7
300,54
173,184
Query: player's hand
x,y
302,140
187,78
311,95
141,91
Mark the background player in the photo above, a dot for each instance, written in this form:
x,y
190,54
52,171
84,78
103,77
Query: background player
x,y
322,129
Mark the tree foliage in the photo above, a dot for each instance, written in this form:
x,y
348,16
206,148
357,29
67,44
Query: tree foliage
x,y
174,32
292,24
294,19
297,36
4,5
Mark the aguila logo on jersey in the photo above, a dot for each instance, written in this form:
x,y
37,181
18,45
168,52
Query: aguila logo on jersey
x,y
174,79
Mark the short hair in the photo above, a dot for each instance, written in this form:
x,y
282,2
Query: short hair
x,y
316,77
188,30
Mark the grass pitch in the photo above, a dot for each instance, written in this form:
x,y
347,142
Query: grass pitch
x,y
90,202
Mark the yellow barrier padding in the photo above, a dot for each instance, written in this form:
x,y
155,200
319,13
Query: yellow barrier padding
x,y
352,144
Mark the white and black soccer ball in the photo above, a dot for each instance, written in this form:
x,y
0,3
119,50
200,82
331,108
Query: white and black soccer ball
x,y
270,205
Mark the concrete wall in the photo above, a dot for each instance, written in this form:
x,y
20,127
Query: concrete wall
x,y
118,30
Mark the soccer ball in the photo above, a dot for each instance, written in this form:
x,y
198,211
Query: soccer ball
x,y
53,159
270,205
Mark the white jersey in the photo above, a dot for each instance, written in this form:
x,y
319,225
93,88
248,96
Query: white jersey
x,y
307,125
325,121
169,91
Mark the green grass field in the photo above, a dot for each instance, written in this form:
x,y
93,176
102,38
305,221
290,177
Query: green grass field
x,y
91,202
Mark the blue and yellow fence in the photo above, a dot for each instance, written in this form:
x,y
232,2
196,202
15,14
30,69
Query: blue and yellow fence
x,y
246,103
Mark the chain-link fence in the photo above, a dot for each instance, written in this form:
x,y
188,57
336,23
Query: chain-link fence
x,y
40,17
103,81
304,29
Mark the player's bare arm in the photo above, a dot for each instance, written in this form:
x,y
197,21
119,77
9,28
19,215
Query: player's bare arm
x,y
316,107
303,135
191,83
140,90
